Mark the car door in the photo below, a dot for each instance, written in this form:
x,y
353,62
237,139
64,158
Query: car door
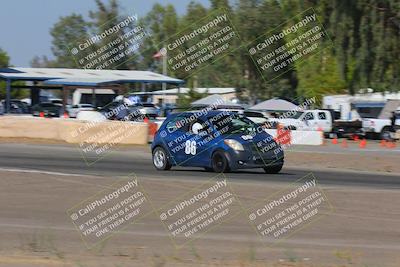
x,y
178,140
309,120
74,111
324,123
200,139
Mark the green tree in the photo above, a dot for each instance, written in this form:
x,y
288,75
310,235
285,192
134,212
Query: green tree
x,y
366,41
105,17
162,23
4,61
67,33
16,93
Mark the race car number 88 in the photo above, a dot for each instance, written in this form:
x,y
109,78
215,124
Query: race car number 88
x,y
190,147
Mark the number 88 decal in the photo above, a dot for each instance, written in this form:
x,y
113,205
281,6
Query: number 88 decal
x,y
190,147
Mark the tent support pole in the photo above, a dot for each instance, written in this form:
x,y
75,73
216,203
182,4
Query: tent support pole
x,y
8,96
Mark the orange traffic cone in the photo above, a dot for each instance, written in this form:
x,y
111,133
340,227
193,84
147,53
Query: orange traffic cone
x,y
390,144
334,141
356,138
41,114
146,120
383,143
65,115
344,143
363,143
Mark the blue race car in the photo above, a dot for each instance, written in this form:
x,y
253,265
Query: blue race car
x,y
216,140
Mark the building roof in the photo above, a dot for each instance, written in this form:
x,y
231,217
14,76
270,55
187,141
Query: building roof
x,y
85,77
184,90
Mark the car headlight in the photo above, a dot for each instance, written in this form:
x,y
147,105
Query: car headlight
x,y
235,145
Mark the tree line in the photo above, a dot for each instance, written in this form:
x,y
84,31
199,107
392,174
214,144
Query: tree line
x,y
364,51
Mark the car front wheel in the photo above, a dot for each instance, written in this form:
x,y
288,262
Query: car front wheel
x,y
273,169
220,162
160,159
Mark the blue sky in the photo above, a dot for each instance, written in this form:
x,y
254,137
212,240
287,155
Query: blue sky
x,y
25,24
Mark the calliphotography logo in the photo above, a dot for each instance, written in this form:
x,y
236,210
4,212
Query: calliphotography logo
x,y
200,210
280,50
288,211
201,44
190,133
119,42
119,123
281,137
109,211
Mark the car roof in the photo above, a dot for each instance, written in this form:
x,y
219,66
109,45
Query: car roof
x,y
208,113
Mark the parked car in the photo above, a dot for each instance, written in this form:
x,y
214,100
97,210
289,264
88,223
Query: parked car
x,y
218,140
16,107
149,110
75,109
117,110
380,128
48,109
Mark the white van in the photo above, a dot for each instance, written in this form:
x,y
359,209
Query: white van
x,y
85,96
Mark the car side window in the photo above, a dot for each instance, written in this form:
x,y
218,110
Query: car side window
x,y
309,116
179,123
322,115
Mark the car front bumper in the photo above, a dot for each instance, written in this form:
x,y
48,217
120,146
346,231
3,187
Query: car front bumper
x,y
252,158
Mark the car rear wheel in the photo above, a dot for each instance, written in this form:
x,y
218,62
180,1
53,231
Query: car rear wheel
x,y
273,169
220,162
160,159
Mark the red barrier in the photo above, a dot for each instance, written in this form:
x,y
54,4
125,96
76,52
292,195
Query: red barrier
x,y
153,127
283,136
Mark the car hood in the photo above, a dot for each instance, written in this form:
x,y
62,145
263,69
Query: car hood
x,y
246,139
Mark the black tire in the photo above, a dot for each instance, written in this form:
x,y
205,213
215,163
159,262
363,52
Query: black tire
x,y
385,133
160,159
219,162
273,169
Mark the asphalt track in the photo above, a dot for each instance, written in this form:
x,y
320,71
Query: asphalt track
x,y
123,161
39,182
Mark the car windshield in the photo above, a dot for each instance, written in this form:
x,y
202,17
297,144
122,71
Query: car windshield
x,y
234,124
148,105
296,115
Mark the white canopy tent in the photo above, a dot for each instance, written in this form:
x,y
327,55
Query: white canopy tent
x,y
275,104
217,101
